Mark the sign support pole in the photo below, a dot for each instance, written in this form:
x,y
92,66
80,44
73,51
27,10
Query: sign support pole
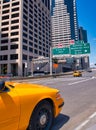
x,y
50,60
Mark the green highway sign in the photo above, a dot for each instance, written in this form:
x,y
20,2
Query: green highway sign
x,y
60,51
80,48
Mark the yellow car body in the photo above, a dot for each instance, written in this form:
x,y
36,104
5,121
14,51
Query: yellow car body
x,y
77,74
19,100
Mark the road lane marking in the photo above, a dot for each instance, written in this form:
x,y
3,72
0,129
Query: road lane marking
x,y
93,115
85,122
81,81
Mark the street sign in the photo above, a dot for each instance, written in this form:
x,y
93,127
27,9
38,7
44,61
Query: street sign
x,y
71,42
60,51
60,45
80,48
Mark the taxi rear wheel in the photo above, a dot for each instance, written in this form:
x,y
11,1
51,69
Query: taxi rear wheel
x,y
42,117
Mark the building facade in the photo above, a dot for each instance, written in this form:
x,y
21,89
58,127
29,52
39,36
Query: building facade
x,y
64,21
25,33
83,34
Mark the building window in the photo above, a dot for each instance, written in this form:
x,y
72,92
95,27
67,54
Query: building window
x,y
30,43
35,46
15,46
6,6
4,41
26,2
30,21
30,37
30,58
24,34
15,15
4,35
5,1
30,15
3,57
5,23
4,48
40,53
30,49
30,10
13,56
5,17
16,3
14,27
25,17
5,29
24,57
25,29
14,33
24,41
14,39
5,11
25,5
35,40
15,9
30,32
35,51
25,23
24,47
25,11
15,21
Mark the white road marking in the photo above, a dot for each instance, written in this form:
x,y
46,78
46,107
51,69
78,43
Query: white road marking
x,y
85,122
55,79
81,81
93,115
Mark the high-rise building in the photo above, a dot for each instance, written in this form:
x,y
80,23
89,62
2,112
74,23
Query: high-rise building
x,y
64,21
83,34
25,32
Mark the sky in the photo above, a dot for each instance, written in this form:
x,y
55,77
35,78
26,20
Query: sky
x,y
86,11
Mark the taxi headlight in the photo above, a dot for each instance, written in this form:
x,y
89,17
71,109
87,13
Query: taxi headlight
x,y
58,95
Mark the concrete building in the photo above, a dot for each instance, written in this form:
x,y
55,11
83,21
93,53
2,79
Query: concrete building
x,y
25,33
64,21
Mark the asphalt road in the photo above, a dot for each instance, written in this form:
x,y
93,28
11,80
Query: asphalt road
x,y
79,93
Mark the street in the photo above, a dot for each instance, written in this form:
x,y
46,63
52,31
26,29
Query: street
x,y
79,93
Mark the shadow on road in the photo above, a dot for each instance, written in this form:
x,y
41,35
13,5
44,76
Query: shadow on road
x,y
60,121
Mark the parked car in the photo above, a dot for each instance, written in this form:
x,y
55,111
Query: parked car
x,y
28,106
77,73
89,70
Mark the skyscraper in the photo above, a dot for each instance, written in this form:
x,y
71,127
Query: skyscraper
x,y
25,33
83,34
64,21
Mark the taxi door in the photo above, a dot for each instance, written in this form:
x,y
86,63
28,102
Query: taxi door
x,y
9,110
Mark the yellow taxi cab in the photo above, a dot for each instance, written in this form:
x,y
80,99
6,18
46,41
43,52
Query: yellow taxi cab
x,y
26,106
77,73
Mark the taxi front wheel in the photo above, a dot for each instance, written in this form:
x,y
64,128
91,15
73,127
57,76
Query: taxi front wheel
x,y
42,117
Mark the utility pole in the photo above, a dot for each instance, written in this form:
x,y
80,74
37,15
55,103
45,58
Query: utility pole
x,y
32,66
50,60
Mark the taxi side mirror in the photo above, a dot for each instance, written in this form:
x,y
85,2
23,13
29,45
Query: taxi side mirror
x,y
2,85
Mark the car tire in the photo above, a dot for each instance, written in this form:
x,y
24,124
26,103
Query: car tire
x,y
42,117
